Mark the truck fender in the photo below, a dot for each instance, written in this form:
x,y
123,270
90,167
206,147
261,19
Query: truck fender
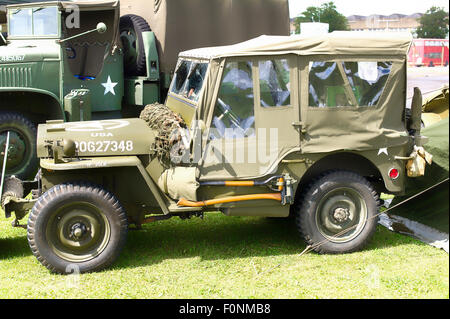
x,y
57,112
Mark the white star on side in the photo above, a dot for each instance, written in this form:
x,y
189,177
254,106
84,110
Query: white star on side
x,y
109,86
383,150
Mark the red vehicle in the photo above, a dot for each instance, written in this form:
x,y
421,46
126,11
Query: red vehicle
x,y
428,52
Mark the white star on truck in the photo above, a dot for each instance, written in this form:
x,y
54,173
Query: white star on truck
x,y
109,86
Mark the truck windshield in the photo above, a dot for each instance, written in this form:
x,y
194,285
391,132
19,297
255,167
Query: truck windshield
x,y
39,22
188,79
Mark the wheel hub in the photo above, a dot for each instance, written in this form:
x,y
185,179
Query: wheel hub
x,y
16,150
77,231
341,214
339,210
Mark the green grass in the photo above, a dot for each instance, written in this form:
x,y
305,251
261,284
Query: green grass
x,y
232,257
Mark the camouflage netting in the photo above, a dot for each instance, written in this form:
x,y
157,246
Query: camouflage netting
x,y
171,129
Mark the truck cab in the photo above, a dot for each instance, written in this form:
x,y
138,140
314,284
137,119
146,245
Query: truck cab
x,y
46,69
69,59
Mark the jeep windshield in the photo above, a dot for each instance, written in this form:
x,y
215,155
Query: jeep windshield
x,y
189,79
33,22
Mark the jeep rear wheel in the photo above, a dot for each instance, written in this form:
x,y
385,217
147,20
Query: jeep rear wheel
x,y
22,160
77,225
338,213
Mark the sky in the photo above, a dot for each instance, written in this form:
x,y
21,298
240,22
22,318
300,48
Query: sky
x,y
368,7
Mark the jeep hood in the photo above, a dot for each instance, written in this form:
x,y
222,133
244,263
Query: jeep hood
x,y
97,138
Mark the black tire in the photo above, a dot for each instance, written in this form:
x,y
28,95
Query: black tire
x,y
77,214
22,160
337,201
131,27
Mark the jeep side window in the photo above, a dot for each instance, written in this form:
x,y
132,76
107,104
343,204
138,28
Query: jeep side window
x,y
274,83
367,80
188,80
326,85
180,77
234,111
195,80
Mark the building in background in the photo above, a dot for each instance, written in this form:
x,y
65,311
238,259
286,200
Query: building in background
x,y
393,22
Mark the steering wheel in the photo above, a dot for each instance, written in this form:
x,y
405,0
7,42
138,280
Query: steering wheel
x,y
71,50
226,111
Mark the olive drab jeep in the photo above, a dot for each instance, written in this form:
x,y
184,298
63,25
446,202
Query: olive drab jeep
x,y
277,126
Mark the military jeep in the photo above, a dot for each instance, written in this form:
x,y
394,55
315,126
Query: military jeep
x,y
277,126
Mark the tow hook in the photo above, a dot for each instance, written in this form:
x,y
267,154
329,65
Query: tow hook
x,y
15,223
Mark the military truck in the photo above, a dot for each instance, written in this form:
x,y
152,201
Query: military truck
x,y
81,60
277,126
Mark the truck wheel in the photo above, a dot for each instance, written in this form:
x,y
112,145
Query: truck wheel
x,y
22,160
335,202
131,28
77,226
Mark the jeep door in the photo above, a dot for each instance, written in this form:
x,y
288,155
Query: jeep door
x,y
254,119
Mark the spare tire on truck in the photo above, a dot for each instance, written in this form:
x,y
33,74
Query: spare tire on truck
x,y
131,27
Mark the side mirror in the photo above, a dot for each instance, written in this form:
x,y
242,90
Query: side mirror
x,y
101,27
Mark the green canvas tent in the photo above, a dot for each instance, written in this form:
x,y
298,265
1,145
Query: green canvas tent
x,y
430,208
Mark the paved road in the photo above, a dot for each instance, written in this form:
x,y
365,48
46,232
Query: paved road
x,y
427,79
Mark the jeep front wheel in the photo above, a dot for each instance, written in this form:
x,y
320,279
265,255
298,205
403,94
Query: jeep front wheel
x,y
22,160
338,213
77,226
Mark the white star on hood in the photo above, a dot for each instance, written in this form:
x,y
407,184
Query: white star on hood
x,y
109,86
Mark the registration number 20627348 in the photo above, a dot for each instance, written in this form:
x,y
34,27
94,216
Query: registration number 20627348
x,y
104,146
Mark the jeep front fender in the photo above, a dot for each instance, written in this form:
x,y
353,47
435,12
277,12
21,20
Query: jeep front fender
x,y
108,162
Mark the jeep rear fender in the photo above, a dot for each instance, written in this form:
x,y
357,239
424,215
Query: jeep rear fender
x,y
358,163
109,162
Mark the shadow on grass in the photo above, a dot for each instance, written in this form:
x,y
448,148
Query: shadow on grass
x,y
220,237
212,239
217,237
14,247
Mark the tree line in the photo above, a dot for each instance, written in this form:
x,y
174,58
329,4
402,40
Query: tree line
x,y
433,24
